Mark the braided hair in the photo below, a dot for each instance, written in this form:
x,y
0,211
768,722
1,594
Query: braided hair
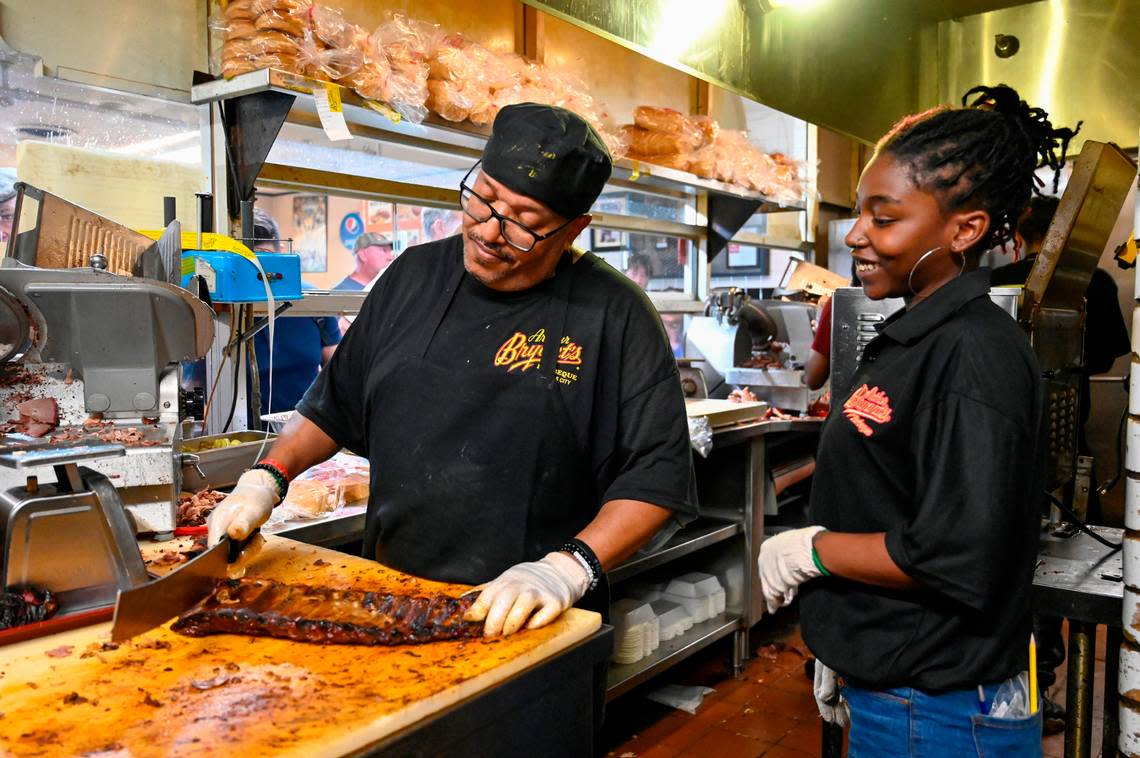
x,y
982,155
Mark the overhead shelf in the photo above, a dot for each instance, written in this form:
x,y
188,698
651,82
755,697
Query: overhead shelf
x,y
446,136
689,540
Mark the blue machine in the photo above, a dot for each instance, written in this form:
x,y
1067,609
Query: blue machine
x,y
232,278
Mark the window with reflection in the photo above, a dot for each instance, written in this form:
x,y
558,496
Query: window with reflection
x,y
346,243
753,268
658,263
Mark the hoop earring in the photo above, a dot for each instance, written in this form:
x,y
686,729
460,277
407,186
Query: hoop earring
x,y
924,256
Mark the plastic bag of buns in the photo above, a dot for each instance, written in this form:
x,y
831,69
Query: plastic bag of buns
x,y
328,46
406,44
449,79
666,121
342,479
371,80
262,34
646,142
464,78
308,498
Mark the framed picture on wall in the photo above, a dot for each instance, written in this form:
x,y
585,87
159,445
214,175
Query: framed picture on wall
x,y
377,216
310,234
607,239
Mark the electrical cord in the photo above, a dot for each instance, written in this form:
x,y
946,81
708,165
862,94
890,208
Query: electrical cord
x,y
1082,525
237,375
1107,486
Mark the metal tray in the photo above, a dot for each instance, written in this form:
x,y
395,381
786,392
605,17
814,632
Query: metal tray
x,y
219,468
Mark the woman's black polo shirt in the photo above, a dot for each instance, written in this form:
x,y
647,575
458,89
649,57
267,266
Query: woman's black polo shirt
x,y
936,446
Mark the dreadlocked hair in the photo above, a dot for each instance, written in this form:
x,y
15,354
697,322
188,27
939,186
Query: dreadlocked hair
x,y
982,155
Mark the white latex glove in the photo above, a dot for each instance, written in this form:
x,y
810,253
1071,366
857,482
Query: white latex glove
x,y
785,563
831,703
244,509
543,588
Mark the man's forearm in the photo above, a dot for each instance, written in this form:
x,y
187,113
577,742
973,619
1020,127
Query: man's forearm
x,y
621,528
301,445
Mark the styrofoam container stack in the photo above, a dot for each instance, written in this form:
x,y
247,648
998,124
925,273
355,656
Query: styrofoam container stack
x,y
673,619
636,630
700,593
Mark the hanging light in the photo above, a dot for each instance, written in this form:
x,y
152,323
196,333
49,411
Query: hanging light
x,y
791,4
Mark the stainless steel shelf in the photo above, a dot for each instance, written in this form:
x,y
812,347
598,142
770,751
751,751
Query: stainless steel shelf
x,y
433,131
455,138
316,303
630,172
621,679
327,531
686,541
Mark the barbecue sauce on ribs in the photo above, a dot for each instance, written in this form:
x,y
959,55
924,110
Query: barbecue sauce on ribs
x,y
264,608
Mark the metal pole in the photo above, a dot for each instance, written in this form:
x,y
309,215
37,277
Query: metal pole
x,y
1079,689
1129,680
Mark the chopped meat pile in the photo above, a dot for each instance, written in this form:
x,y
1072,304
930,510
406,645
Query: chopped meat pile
x,y
193,509
37,417
178,555
261,607
105,431
26,605
742,395
13,374
764,361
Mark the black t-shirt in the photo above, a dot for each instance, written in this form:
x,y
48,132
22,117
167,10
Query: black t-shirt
x,y
936,445
619,382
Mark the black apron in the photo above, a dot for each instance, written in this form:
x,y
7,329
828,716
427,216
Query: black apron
x,y
475,471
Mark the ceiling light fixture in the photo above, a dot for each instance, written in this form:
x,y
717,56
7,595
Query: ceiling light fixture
x,y
789,4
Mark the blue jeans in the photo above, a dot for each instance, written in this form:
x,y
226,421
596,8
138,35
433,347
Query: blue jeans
x,y
908,723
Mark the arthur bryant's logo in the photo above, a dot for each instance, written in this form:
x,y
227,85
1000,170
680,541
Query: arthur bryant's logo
x,y
522,353
867,405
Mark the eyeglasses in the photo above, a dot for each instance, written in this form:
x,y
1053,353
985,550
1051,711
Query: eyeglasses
x,y
519,237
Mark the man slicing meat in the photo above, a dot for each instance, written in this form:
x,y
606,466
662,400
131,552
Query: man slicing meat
x,y
517,398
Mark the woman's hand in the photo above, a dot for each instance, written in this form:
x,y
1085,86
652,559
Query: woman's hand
x,y
785,563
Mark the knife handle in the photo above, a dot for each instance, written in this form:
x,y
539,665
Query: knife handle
x,y
237,546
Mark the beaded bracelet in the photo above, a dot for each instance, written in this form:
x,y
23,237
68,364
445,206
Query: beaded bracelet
x,y
278,478
281,469
586,557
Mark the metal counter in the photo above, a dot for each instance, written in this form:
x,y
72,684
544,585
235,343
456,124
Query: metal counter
x,y
346,524
1082,580
551,709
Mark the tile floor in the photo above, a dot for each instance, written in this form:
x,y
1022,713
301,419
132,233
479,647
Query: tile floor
x,y
768,712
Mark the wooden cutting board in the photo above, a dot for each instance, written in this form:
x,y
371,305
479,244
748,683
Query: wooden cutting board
x,y
162,694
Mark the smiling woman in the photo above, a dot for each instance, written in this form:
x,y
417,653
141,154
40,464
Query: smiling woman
x,y
943,187
928,465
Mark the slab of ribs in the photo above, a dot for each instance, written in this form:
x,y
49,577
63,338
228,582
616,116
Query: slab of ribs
x,y
26,605
265,608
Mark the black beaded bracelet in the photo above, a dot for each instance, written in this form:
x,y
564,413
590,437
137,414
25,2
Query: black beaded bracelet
x,y
278,478
582,551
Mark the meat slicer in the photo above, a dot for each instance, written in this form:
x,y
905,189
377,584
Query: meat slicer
x,y
107,348
737,340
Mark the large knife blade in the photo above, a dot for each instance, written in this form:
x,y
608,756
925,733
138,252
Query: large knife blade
x,y
143,608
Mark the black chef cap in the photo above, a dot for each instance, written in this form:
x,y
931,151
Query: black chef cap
x,y
549,154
